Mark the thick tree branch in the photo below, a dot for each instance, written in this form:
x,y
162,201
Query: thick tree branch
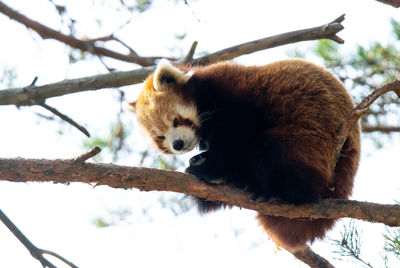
x,y
24,96
146,179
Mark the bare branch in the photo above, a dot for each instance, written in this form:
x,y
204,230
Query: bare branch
x,y
35,252
84,45
58,256
23,96
189,56
308,256
66,118
146,179
360,110
326,31
380,128
83,157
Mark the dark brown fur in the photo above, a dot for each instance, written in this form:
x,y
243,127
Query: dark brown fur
x,y
299,105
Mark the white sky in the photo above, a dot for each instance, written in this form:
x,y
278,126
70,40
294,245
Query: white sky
x,y
58,217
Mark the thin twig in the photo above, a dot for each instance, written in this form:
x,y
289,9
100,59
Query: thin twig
x,y
35,252
58,256
355,255
189,56
66,119
83,157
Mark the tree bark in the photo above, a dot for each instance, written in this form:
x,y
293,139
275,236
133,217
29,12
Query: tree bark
x,y
147,179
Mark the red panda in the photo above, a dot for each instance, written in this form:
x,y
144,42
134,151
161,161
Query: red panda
x,y
267,129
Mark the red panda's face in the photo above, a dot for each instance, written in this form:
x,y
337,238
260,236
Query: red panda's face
x,y
170,120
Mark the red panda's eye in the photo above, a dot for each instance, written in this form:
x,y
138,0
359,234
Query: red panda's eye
x,y
175,123
161,137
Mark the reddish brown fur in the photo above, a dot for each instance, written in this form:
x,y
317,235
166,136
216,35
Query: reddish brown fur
x,y
310,104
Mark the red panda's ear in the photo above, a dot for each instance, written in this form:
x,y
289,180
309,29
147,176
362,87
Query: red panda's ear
x,y
166,75
129,106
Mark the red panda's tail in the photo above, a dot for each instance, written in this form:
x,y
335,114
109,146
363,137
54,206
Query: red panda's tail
x,y
205,206
294,234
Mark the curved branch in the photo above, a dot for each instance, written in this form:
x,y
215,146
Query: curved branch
x,y
23,96
147,179
361,109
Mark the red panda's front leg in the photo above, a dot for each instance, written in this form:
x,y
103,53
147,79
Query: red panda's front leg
x,y
206,168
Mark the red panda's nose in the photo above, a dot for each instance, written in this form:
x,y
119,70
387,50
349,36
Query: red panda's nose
x,y
177,145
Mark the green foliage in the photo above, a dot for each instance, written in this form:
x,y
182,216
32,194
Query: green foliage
x,y
178,204
349,245
364,70
113,217
76,55
8,77
328,51
143,5
392,242
180,36
172,163
114,142
395,27
350,242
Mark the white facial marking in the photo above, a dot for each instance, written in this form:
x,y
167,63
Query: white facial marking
x,y
185,134
189,112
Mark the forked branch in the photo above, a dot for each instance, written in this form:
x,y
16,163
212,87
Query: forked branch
x,y
361,109
37,253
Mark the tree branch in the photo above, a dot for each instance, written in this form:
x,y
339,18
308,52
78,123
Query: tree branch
x,y
23,96
147,179
380,128
361,109
308,256
326,31
66,118
37,253
393,3
84,45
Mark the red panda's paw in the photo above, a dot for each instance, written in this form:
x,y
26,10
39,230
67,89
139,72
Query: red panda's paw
x,y
257,193
205,169
197,160
204,145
